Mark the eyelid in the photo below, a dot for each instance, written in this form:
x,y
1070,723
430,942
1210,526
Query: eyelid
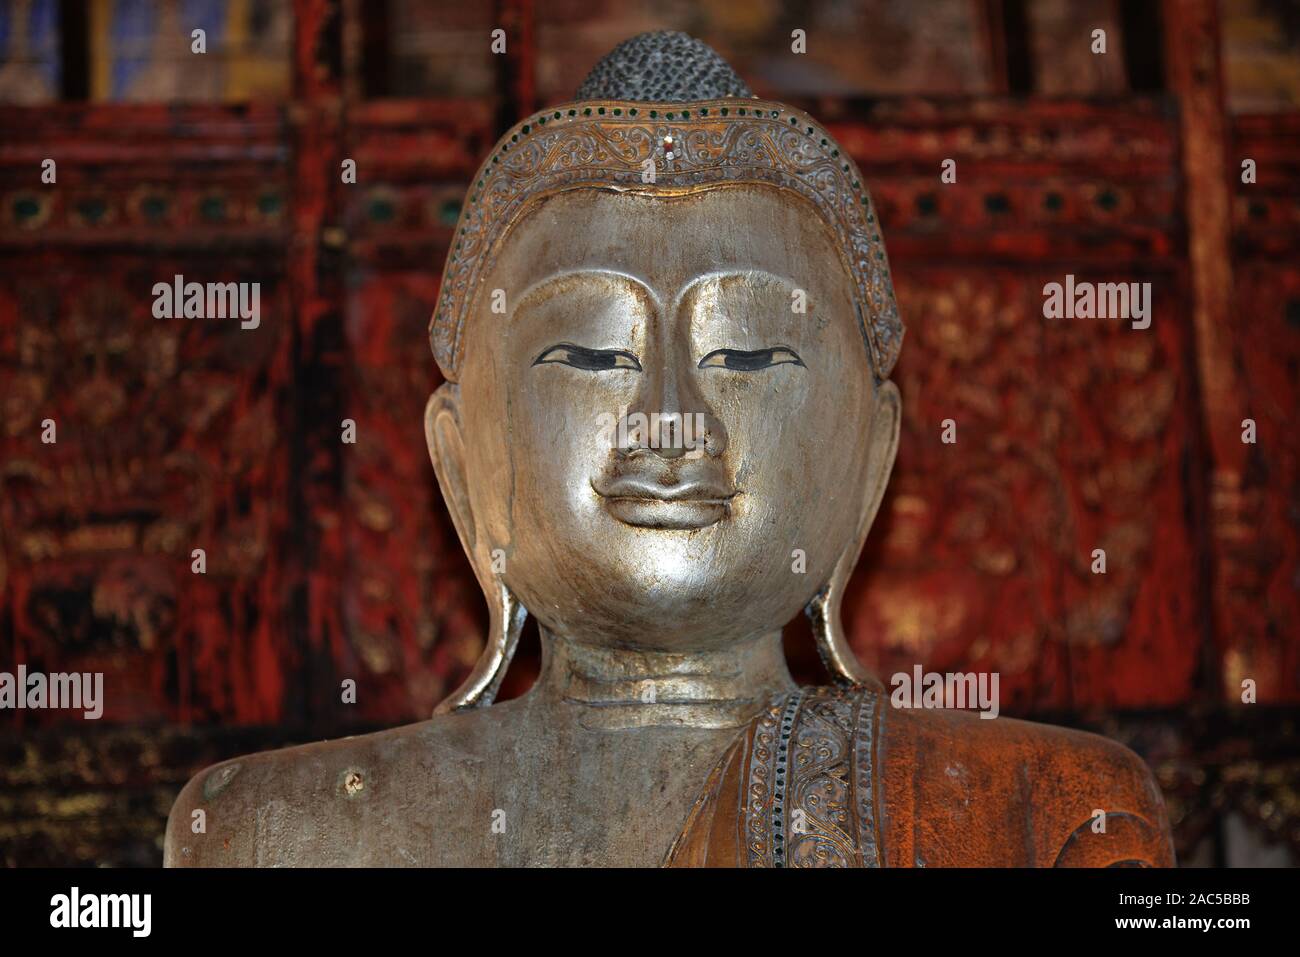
x,y
589,360
742,360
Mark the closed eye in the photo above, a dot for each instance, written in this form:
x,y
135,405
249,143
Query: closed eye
x,y
589,360
738,360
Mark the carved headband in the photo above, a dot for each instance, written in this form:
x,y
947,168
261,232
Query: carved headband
x,y
619,143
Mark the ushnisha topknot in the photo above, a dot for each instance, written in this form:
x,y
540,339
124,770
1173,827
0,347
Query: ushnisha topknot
x,y
668,103
662,67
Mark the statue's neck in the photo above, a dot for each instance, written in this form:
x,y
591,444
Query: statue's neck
x,y
614,688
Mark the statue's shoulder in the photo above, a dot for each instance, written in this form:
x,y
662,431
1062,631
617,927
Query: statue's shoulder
x,y
303,805
1017,792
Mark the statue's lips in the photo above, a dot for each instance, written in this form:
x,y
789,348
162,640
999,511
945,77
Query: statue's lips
x,y
645,503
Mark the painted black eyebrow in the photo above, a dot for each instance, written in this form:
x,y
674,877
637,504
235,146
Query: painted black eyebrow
x,y
591,360
743,360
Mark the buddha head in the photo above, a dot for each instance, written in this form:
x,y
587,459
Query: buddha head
x,y
666,324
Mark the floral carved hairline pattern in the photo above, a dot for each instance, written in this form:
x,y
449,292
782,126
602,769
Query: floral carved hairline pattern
x,y
605,144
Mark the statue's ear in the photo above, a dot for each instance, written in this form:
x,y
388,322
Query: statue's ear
x,y
446,443
824,610
442,432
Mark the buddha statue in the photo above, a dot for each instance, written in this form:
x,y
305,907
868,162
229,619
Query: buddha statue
x,y
669,250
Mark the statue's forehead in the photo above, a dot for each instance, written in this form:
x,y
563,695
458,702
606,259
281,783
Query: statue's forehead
x,y
668,242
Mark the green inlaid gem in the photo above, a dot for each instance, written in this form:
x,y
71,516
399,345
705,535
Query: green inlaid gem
x,y
212,208
155,207
93,209
26,207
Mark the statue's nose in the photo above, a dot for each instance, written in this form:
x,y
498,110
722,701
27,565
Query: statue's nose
x,y
671,418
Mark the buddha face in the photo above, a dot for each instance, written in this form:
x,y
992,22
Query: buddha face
x,y
726,319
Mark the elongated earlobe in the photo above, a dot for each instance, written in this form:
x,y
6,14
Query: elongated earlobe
x,y
442,432
507,617
832,644
824,609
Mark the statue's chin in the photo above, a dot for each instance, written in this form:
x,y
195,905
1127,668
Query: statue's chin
x,y
657,605
664,574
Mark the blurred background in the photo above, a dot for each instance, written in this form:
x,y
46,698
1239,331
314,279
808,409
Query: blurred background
x,y
328,561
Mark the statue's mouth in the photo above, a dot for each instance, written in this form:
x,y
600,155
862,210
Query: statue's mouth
x,y
645,503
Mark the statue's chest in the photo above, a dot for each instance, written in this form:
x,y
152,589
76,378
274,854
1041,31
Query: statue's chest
x,y
599,800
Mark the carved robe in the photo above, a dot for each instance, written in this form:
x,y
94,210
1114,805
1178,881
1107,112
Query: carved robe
x,y
829,777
